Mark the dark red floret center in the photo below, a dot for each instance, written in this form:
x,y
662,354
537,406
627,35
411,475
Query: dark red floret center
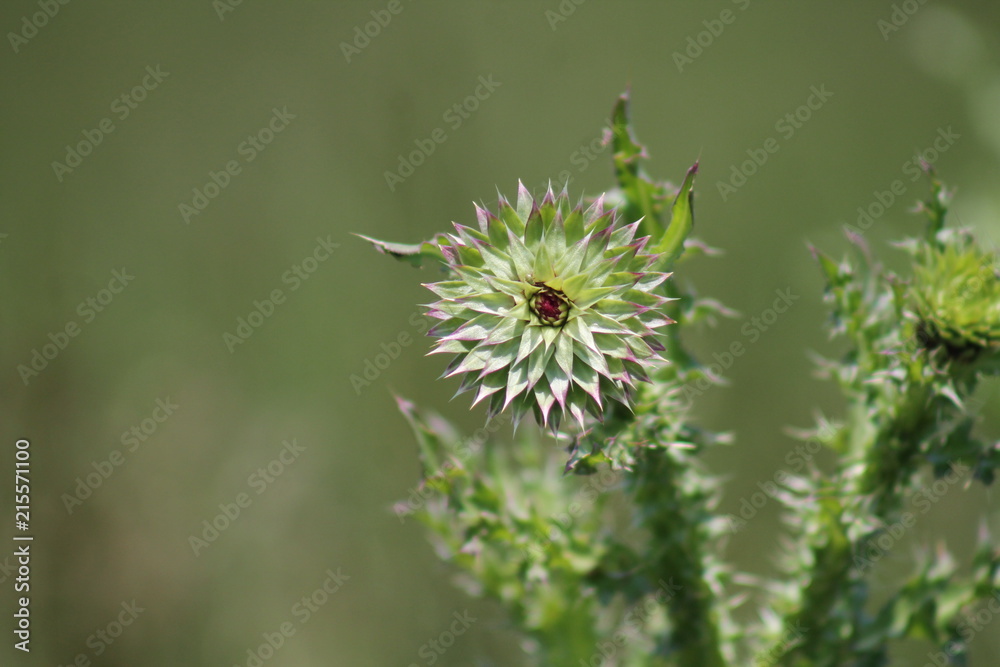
x,y
549,306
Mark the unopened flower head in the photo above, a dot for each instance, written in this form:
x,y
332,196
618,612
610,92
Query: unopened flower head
x,y
550,308
956,296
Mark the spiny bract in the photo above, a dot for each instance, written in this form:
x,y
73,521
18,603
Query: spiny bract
x,y
956,293
549,308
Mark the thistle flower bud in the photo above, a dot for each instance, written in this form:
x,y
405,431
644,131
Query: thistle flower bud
x,y
956,297
550,308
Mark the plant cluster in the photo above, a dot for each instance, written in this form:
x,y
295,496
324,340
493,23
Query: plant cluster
x,y
606,551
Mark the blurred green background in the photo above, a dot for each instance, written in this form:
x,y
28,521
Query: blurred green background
x,y
345,116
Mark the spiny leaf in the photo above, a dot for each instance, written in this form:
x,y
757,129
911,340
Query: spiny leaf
x,y
643,197
414,253
681,220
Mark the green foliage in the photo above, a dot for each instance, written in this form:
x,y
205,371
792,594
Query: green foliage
x,y
542,531
524,534
910,414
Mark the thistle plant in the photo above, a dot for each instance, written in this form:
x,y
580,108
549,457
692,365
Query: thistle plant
x,y
561,311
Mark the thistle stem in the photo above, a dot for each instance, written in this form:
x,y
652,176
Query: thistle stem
x,y
673,510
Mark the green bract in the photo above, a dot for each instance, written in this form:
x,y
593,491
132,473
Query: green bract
x,y
550,308
956,296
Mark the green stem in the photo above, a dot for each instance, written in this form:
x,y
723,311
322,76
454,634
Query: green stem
x,y
819,618
892,456
673,510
